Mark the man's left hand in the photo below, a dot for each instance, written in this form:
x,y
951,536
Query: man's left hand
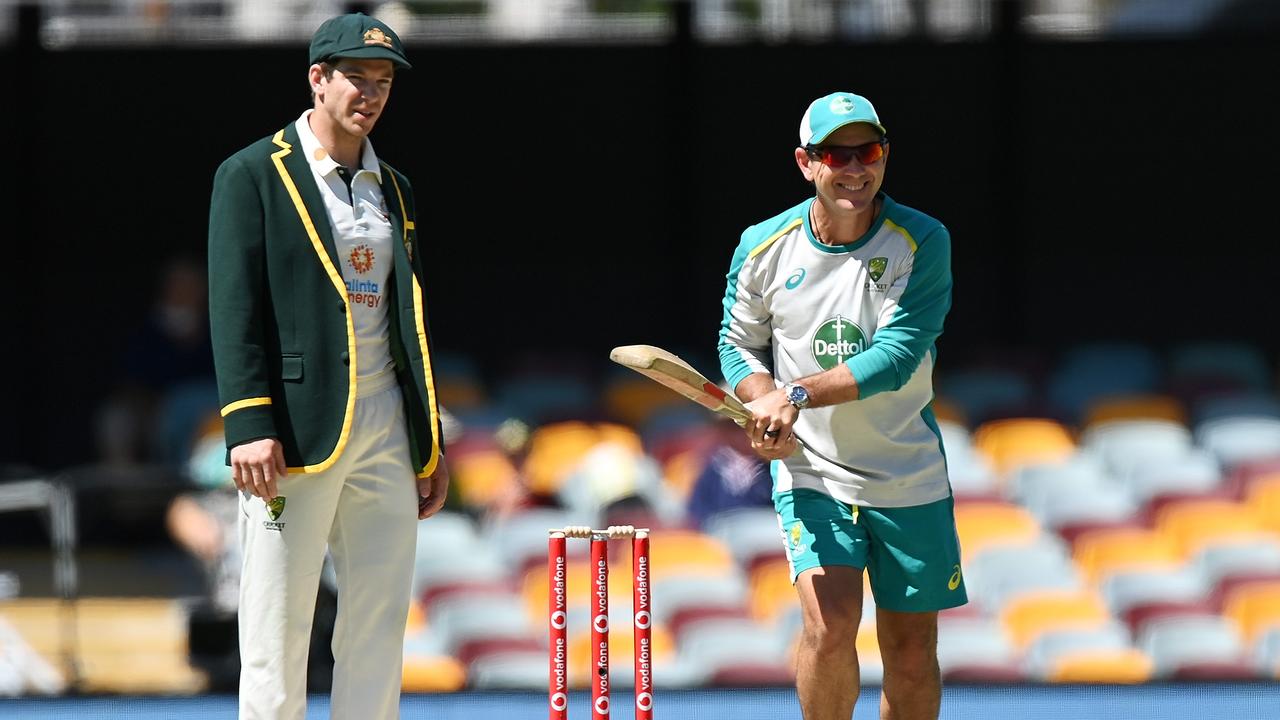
x,y
432,491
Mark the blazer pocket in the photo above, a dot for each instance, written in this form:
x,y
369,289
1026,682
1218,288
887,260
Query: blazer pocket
x,y
291,368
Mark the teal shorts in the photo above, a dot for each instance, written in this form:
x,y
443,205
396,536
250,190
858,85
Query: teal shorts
x,y
911,554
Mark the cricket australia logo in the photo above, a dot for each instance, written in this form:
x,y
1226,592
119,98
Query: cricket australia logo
x,y
876,267
837,340
275,508
795,536
841,105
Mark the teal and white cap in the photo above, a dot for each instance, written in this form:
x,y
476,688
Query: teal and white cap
x,y
832,112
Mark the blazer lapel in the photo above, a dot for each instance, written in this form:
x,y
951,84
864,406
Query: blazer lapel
x,y
300,170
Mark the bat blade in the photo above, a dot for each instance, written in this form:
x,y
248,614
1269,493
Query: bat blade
x,y
670,370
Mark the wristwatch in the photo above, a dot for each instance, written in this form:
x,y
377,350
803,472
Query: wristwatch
x,y
797,395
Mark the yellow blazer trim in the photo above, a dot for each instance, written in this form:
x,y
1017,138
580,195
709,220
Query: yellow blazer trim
x,y
895,226
341,287
774,237
245,403
419,318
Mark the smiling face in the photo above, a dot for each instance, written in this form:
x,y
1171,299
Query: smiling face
x,y
852,188
353,96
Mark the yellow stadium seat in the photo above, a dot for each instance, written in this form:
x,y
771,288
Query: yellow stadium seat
x,y
634,399
1255,608
983,524
1122,666
622,643
432,674
480,478
1012,443
578,588
944,409
123,645
1264,499
1192,524
771,590
686,552
1030,615
1099,553
1135,407
556,449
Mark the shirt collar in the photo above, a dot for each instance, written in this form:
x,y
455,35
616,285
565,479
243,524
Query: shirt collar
x,y
320,161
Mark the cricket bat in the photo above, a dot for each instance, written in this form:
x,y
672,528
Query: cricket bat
x,y
668,369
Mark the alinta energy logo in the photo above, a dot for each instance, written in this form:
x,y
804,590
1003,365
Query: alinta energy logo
x,y
837,340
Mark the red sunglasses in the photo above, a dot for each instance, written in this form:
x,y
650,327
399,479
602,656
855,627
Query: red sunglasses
x,y
837,156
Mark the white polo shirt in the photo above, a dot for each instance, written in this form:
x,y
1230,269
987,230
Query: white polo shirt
x,y
362,234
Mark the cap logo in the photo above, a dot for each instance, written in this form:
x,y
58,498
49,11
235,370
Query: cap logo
x,y
841,105
375,36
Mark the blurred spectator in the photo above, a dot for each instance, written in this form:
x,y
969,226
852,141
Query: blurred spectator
x,y
203,520
732,476
164,383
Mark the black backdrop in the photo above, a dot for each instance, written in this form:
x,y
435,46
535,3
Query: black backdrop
x,y
575,198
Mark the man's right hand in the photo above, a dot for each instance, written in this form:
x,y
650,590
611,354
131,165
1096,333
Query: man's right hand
x,y
256,465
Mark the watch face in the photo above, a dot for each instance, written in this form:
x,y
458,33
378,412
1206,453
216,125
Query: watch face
x,y
798,395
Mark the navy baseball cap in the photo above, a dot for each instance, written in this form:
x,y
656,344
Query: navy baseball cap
x,y
357,35
832,112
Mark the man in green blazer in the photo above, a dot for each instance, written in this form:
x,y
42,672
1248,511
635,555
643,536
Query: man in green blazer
x,y
324,370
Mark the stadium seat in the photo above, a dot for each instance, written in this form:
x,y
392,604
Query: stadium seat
x,y
548,396
1230,364
1033,614
433,674
1231,405
673,594
1240,438
999,572
468,618
633,399
1240,553
1193,524
689,552
132,646
1076,490
1254,607
1134,407
1103,552
981,524
1174,642
1043,653
520,539
771,590
1263,498
1013,443
1121,443
985,393
973,643
1095,370
1123,665
481,478
1139,615
556,449
748,533
1195,472
1125,589
716,644
1267,654
517,670
971,473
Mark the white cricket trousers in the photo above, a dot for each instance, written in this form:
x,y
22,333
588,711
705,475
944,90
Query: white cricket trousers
x,y
365,509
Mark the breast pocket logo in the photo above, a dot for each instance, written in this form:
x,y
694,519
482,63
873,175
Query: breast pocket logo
x,y
837,340
876,267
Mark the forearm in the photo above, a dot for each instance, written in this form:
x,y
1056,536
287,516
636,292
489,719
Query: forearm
x,y
831,387
753,386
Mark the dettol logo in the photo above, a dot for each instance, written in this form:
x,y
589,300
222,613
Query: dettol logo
x,y
837,340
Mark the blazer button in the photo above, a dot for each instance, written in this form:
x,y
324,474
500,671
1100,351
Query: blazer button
x,y
346,358
342,308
